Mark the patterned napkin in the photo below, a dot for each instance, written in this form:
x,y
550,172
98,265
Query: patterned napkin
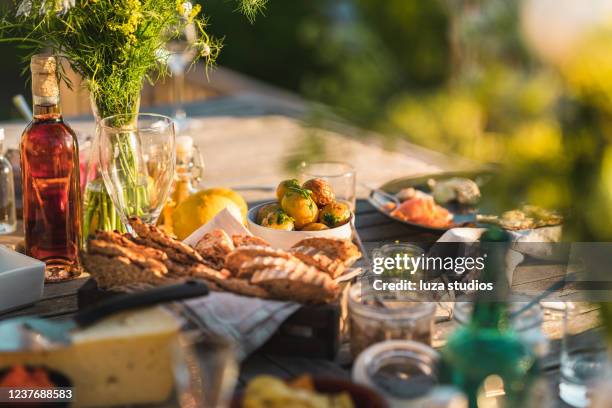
x,y
246,321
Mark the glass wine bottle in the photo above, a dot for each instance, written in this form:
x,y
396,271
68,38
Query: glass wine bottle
x,y
50,176
486,359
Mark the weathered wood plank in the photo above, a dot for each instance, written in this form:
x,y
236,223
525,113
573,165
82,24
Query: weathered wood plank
x,y
297,366
60,306
55,290
258,364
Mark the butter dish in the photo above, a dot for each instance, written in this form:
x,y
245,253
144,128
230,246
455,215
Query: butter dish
x,y
21,279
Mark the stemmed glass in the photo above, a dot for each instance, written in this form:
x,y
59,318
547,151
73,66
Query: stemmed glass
x,y
181,52
137,160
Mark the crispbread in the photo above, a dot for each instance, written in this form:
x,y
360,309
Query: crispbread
x,y
319,259
110,249
116,271
248,267
234,261
302,283
199,271
334,248
248,240
244,287
127,242
175,249
214,247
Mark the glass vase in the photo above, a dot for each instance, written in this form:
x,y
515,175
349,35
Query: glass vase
x,y
99,211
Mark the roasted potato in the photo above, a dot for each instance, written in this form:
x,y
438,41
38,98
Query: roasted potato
x,y
315,226
322,193
285,186
265,210
278,220
335,214
299,205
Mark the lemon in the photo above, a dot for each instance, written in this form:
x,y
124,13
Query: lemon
x,y
232,195
197,210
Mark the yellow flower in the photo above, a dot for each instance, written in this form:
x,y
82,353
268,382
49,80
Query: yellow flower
x,y
194,12
128,17
187,10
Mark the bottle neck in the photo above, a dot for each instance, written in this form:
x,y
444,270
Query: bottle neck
x,y
46,108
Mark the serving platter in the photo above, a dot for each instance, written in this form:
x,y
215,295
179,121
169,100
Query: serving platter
x,y
463,215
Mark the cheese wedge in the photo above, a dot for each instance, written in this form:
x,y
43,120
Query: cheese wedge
x,y
123,360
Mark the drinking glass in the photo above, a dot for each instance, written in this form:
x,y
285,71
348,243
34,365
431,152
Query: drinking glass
x,y
205,370
584,357
137,161
181,52
340,175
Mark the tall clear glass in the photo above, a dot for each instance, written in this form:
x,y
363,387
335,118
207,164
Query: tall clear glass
x,y
137,162
340,175
8,218
181,52
584,357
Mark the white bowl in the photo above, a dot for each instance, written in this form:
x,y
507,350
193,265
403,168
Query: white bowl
x,y
286,239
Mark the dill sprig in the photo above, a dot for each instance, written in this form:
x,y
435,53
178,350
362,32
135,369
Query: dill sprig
x,y
250,8
115,45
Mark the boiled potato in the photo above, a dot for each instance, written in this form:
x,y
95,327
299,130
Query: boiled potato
x,y
285,186
335,214
278,220
299,205
322,193
315,226
265,210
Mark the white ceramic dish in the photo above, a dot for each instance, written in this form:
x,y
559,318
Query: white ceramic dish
x,y
286,239
21,279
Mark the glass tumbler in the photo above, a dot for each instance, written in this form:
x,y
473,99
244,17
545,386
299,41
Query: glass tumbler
x,y
340,175
584,357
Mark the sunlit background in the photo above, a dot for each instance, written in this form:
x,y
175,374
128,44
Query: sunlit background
x,y
525,84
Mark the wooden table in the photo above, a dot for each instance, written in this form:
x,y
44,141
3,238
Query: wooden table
x,y
269,133
59,301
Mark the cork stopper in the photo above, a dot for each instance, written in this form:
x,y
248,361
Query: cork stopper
x,y
44,76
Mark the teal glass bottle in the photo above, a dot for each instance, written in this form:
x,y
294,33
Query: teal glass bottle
x,y
485,358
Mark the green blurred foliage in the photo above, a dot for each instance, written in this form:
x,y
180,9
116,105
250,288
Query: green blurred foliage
x,y
352,55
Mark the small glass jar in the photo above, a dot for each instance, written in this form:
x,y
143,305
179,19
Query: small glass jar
x,y
376,316
393,251
8,217
405,373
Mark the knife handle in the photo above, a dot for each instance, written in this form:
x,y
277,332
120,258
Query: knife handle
x,y
150,297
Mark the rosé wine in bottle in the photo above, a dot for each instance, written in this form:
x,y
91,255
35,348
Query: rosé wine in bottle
x,y
50,175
